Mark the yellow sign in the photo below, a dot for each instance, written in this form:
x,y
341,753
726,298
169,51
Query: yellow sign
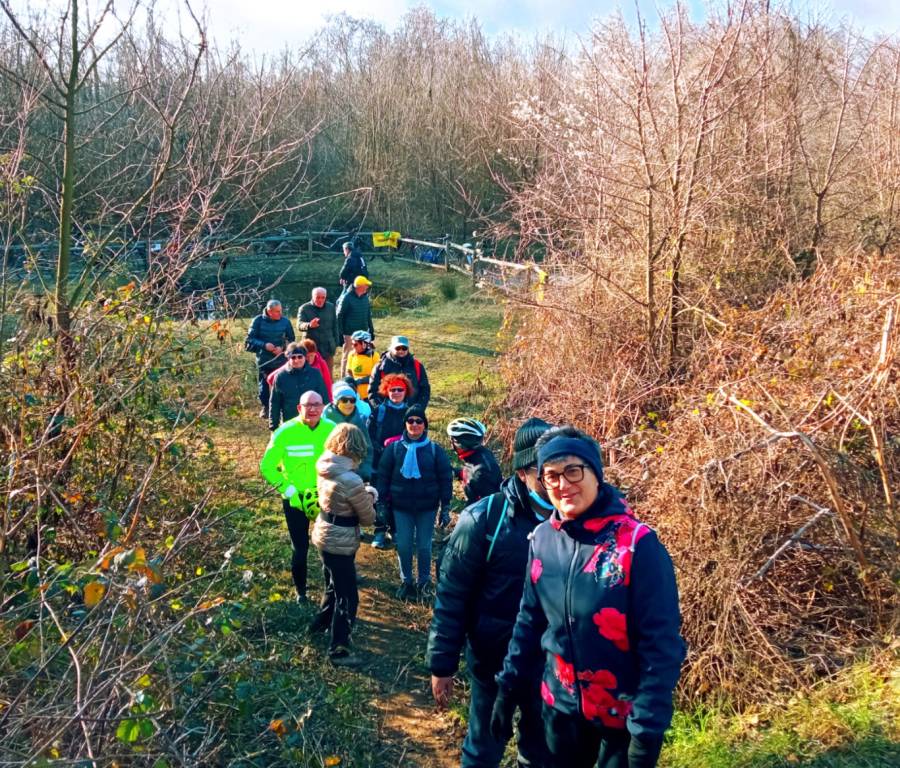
x,y
385,239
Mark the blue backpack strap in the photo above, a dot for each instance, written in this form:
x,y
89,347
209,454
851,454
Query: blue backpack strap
x,y
493,539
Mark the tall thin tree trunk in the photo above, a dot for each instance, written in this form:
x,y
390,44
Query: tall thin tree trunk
x,y
63,261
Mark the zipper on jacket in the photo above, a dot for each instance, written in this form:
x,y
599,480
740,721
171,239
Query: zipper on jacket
x,y
569,618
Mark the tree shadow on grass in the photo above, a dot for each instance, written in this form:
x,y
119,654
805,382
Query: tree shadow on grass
x,y
469,349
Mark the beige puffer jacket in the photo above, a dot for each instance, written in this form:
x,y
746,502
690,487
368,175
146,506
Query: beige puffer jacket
x,y
341,493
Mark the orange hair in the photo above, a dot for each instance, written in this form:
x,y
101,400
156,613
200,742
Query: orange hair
x,y
310,346
393,380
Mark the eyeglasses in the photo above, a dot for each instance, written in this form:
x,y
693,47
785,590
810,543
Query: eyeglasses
x,y
346,399
401,349
397,389
297,357
574,473
415,421
312,406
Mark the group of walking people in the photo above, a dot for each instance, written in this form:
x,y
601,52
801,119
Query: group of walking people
x,y
562,602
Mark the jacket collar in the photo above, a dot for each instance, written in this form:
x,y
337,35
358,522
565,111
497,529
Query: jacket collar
x,y
608,504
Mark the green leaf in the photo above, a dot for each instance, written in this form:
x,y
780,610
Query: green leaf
x,y
19,567
128,731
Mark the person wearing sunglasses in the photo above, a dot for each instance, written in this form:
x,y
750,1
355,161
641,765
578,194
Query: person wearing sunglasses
x,y
399,359
344,409
599,613
361,361
386,425
415,480
290,382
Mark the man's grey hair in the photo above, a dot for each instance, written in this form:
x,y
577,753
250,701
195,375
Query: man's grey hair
x,y
319,289
272,303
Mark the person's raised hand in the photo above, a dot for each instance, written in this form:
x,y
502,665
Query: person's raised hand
x,y
314,323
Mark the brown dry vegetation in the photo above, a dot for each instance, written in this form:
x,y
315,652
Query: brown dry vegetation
x,y
717,208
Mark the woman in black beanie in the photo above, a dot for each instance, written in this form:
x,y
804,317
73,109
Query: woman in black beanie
x,y
415,479
599,613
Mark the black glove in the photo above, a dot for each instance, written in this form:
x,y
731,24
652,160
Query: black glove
x,y
444,517
502,716
643,750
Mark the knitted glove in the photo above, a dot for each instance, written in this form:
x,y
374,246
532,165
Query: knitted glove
x,y
502,716
643,750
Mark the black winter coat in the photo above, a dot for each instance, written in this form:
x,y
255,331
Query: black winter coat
x,y
354,266
384,423
429,492
355,314
264,330
288,388
600,613
326,333
409,366
480,473
478,597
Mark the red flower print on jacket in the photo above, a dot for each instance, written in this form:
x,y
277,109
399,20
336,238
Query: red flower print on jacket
x,y
597,524
598,703
537,567
547,694
565,673
612,625
628,536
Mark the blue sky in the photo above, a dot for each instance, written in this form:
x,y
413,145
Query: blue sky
x,y
271,24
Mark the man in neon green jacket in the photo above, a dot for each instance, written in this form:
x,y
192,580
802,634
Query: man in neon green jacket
x,y
289,464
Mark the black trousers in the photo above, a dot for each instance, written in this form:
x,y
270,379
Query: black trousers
x,y
341,598
480,750
298,528
573,742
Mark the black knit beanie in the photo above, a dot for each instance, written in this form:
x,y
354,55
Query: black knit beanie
x,y
527,435
416,410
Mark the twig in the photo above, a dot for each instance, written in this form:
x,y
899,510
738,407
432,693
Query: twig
x,y
827,475
820,512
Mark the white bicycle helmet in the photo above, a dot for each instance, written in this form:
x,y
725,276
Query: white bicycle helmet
x,y
468,432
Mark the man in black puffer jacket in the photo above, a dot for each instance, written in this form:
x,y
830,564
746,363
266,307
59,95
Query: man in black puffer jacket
x,y
269,334
290,384
481,582
399,359
354,265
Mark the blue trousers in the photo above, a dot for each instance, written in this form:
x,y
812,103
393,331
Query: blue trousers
x,y
479,749
414,528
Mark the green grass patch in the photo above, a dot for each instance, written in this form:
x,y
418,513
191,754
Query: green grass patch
x,y
852,721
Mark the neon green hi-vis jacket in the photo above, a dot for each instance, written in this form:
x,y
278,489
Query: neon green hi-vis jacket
x,y
289,462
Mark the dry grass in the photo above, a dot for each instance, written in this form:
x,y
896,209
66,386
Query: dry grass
x,y
785,416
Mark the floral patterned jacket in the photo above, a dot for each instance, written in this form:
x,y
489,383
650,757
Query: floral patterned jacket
x,y
601,605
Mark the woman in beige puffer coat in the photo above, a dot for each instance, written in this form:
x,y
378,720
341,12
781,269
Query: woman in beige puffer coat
x,y
346,503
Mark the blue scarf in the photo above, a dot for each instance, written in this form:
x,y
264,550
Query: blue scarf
x,y
397,406
410,468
